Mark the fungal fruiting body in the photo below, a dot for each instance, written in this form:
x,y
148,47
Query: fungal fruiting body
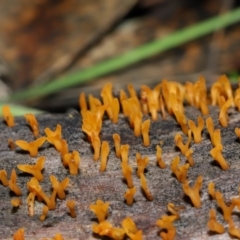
x,y
124,150
31,147
19,234
104,155
72,161
142,164
217,156
127,173
35,170
16,202
100,209
71,205
227,210
179,143
213,225
145,126
166,222
223,116
160,161
194,193
54,137
7,115
233,231
32,121
44,213
131,229
117,144
179,171
174,209
197,130
145,187
3,177
211,190
129,194
13,184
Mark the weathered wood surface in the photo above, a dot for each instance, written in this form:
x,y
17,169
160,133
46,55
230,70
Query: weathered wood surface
x,y
90,185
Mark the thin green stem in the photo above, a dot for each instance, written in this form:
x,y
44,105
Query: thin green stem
x,y
143,52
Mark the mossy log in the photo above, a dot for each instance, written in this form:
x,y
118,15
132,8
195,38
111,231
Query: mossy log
x,y
90,184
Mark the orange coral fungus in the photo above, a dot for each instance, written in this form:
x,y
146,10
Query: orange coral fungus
x,y
3,177
189,157
35,170
223,116
117,144
124,149
13,184
237,98
137,119
182,120
34,187
16,202
166,222
210,128
174,209
217,156
115,110
129,195
11,144
141,163
100,209
31,147
107,97
106,229
61,186
131,229
19,234
72,160
127,173
179,171
194,193
233,231
7,115
32,121
211,190
160,161
145,126
197,131
145,187
71,205
213,225
82,101
104,155
30,203
123,97
96,143
44,213
58,236
54,137
227,210
64,149
179,143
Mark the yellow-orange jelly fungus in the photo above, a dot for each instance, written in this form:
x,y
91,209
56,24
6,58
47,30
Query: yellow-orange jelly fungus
x,y
194,193
213,225
13,184
100,209
3,177
160,161
35,170
54,137
8,117
19,234
129,194
179,171
32,121
71,205
16,202
31,147
167,96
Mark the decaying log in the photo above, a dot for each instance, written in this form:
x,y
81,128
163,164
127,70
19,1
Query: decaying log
x,y
90,184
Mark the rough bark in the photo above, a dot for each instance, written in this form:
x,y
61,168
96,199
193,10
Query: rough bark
x,y
90,185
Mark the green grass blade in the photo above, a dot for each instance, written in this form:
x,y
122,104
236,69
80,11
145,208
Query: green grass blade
x,y
143,52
